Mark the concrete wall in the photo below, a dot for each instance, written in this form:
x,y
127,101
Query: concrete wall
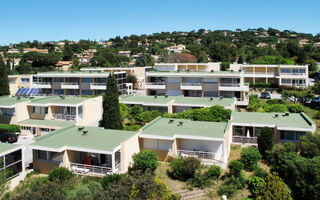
x,y
22,111
128,148
92,111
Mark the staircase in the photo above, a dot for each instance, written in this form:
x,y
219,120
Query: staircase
x,y
196,194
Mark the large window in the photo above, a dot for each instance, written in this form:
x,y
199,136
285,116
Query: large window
x,y
7,111
58,91
291,135
11,164
286,81
86,80
210,93
58,80
25,80
286,71
50,156
40,110
86,92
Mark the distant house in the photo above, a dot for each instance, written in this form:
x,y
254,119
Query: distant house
x,y
124,53
26,50
61,43
262,44
303,42
187,58
63,65
317,44
84,59
14,50
176,49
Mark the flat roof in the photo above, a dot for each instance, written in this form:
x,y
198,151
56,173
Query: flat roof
x,y
50,123
75,74
6,147
203,101
8,101
58,100
96,138
166,128
293,120
198,72
156,100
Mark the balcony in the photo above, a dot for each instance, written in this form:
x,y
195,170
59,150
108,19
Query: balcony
x,y
191,86
98,86
244,140
92,170
156,85
69,85
260,74
233,87
66,117
41,85
206,157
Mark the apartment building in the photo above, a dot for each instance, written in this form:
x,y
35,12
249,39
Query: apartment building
x,y
13,109
280,75
175,104
91,151
63,66
19,81
75,83
195,80
138,72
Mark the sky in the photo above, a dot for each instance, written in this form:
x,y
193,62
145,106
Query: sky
x,y
54,20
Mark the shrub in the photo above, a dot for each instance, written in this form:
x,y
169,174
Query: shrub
x,y
112,178
135,112
83,192
259,172
274,108
124,111
12,128
317,115
131,127
60,174
254,102
310,145
93,186
200,180
265,141
295,108
274,101
254,184
273,188
213,172
145,159
239,181
228,190
236,168
184,168
250,157
148,116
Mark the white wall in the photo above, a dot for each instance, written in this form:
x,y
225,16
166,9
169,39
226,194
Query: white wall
x,y
202,145
154,144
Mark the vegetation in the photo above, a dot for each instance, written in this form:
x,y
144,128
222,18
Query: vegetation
x,y
111,118
310,145
60,175
183,168
12,128
265,141
4,82
145,159
250,157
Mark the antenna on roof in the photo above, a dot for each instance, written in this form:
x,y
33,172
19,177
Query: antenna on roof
x,y
62,97
166,95
212,70
221,97
155,96
211,98
171,121
80,128
84,132
180,123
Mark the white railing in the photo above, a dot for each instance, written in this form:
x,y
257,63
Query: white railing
x,y
98,84
69,83
191,84
197,154
244,139
155,83
90,169
230,84
42,83
65,117
259,73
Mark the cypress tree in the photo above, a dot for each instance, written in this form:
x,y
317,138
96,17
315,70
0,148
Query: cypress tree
x,y
4,82
111,118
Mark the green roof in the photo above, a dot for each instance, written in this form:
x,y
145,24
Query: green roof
x,y
137,99
56,100
50,123
164,128
74,72
204,101
95,139
4,147
197,72
7,101
293,120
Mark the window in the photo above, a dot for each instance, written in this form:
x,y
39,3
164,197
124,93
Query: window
x,y
286,71
58,80
26,128
210,93
86,92
46,130
25,80
40,110
41,155
286,81
7,111
49,156
58,91
86,80
291,135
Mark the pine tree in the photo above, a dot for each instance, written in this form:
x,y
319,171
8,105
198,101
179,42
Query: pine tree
x,y
111,118
4,82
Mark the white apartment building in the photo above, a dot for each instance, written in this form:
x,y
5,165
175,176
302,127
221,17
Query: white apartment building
x,y
195,80
281,75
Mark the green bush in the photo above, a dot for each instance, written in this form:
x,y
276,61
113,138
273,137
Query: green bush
x,y
112,178
236,168
83,192
317,115
265,141
295,108
148,116
131,127
213,172
93,186
274,101
259,172
239,181
184,168
228,190
254,102
310,145
274,108
254,184
145,159
200,180
250,157
60,174
12,128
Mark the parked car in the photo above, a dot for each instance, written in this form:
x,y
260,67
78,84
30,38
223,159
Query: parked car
x,y
8,137
265,95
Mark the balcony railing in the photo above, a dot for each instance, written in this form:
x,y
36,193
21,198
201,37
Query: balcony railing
x,y
42,83
155,83
92,170
98,84
198,154
69,83
65,117
230,84
191,84
244,139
